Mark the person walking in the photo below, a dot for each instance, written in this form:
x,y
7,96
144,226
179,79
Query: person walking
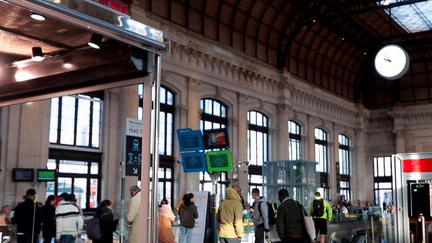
x,y
229,217
69,222
165,219
260,216
107,222
188,213
289,219
27,218
133,216
240,191
322,213
48,220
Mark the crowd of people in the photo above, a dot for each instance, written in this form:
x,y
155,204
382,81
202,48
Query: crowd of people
x,y
60,219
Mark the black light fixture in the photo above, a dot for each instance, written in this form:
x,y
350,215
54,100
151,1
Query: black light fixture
x,y
37,54
37,16
95,41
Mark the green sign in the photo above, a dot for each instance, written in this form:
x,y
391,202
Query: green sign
x,y
219,160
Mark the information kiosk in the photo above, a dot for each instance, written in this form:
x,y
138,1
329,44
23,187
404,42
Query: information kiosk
x,y
412,178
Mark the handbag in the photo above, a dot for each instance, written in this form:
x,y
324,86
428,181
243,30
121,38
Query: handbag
x,y
308,226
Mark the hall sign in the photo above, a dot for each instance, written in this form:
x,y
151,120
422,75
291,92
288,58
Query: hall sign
x,y
133,142
116,5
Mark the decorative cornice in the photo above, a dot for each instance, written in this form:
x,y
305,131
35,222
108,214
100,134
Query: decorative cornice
x,y
282,108
194,83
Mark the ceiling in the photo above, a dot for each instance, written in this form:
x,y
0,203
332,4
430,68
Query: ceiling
x,y
69,64
329,43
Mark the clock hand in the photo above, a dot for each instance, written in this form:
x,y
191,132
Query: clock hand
x,y
387,59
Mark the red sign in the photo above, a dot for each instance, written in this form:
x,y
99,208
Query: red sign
x,y
219,138
113,4
417,165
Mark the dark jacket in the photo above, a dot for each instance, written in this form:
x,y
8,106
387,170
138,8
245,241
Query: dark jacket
x,y
188,214
107,225
289,219
23,217
48,220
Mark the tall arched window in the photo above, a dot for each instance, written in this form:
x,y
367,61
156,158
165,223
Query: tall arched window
x,y
257,148
322,157
344,166
294,142
214,116
166,141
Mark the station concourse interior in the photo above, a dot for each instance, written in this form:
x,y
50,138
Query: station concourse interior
x,y
290,80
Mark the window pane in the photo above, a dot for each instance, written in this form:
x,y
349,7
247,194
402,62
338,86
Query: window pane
x,y
94,169
162,95
381,167
64,185
50,187
54,120
71,166
169,134
96,129
168,173
162,135
67,120
168,186
170,98
387,165
83,123
51,164
80,191
259,119
253,119
216,108
94,193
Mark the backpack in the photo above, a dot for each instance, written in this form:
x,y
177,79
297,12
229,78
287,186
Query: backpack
x,y
318,208
271,213
93,229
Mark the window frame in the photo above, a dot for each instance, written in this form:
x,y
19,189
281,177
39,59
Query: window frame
x,y
324,175
294,137
380,180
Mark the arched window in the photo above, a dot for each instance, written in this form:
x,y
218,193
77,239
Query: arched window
x,y
322,157
294,142
214,116
257,148
166,141
344,166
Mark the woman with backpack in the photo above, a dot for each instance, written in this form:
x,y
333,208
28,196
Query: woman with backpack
x,y
188,213
107,222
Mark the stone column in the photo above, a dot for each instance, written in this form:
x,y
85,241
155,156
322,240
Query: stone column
x,y
400,141
362,176
334,157
242,172
281,129
311,138
193,120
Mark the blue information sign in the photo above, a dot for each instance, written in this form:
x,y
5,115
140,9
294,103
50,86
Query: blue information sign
x,y
190,140
193,162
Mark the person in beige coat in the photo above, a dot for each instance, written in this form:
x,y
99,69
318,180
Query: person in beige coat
x,y
133,216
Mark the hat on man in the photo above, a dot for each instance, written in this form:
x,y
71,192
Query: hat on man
x,y
134,188
65,196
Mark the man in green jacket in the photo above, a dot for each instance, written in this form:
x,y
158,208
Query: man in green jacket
x,y
322,213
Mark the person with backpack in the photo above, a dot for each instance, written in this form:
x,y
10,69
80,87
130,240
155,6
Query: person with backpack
x,y
261,211
107,222
322,213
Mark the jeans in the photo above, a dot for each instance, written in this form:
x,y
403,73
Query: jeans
x,y
185,233
259,233
67,239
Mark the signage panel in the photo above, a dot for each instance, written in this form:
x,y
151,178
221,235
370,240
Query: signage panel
x,y
216,138
193,162
219,160
190,140
133,147
417,165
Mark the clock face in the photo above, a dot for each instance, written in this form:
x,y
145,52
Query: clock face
x,y
392,62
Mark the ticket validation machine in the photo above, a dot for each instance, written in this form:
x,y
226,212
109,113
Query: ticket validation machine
x,y
412,189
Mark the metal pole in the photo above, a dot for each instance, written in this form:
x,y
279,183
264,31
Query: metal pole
x,y
155,152
122,201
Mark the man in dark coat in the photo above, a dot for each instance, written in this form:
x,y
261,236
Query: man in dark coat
x,y
289,219
48,220
27,218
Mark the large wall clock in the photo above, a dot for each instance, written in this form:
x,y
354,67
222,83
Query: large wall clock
x,y
392,62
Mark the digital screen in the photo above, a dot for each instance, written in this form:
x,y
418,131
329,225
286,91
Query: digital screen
x,y
190,140
217,138
193,162
45,175
23,175
219,160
